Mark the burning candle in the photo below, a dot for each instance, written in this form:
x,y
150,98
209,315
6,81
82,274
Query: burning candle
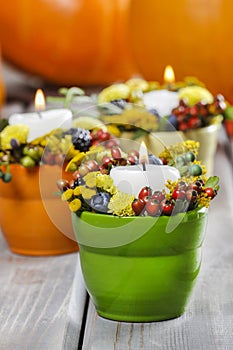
x,y
43,121
163,100
131,179
169,75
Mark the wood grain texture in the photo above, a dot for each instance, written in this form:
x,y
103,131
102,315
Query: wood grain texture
x,y
35,308
207,323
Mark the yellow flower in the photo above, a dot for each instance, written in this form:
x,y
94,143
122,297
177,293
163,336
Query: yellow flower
x,y
87,193
105,182
75,205
76,160
204,200
67,195
114,130
121,204
194,94
19,132
77,191
90,179
114,92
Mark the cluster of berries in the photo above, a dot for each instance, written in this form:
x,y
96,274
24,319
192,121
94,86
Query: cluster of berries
x,y
116,158
183,198
186,117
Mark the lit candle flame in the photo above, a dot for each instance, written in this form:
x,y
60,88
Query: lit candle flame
x,y
143,155
39,100
169,76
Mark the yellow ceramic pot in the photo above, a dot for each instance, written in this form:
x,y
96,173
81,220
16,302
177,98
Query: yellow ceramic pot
x,y
207,136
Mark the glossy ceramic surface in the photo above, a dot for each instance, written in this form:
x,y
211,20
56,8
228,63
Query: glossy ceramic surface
x,y
206,136
27,222
140,269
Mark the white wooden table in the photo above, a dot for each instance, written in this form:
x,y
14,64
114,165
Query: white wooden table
x,y
44,305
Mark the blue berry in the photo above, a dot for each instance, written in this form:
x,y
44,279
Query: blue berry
x,y
154,160
172,120
99,201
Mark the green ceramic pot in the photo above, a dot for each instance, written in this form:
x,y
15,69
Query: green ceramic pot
x,y
140,269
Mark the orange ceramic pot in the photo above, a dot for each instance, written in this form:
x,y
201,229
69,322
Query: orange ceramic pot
x,y
33,220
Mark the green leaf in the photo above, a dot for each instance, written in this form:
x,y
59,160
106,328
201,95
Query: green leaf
x,y
3,124
212,182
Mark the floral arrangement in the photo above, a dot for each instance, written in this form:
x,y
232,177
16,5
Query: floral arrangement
x,y
92,188
55,148
196,108
123,105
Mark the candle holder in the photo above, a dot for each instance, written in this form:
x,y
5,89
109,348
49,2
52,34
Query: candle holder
x,y
140,252
160,117
28,224
136,270
31,213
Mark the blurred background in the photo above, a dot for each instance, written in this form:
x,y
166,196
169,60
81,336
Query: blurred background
x,y
97,42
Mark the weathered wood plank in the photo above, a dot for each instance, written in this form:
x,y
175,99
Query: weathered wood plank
x,y
208,320
35,293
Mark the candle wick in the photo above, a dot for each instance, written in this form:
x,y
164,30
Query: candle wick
x,y
143,166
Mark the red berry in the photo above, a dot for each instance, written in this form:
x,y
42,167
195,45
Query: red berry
x,y
158,196
210,192
167,207
138,206
145,192
116,153
178,194
191,195
103,170
132,159
133,153
197,186
164,161
183,126
152,208
106,160
63,185
83,170
111,143
103,135
193,110
181,186
75,175
194,122
92,165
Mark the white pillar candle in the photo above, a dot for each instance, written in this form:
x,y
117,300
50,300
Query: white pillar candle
x,y
43,122
131,179
161,100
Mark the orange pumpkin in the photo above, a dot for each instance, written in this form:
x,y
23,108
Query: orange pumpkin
x,y
68,42
194,36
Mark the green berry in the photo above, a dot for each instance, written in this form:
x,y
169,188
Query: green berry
x,y
190,157
7,177
195,170
27,162
180,160
31,152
